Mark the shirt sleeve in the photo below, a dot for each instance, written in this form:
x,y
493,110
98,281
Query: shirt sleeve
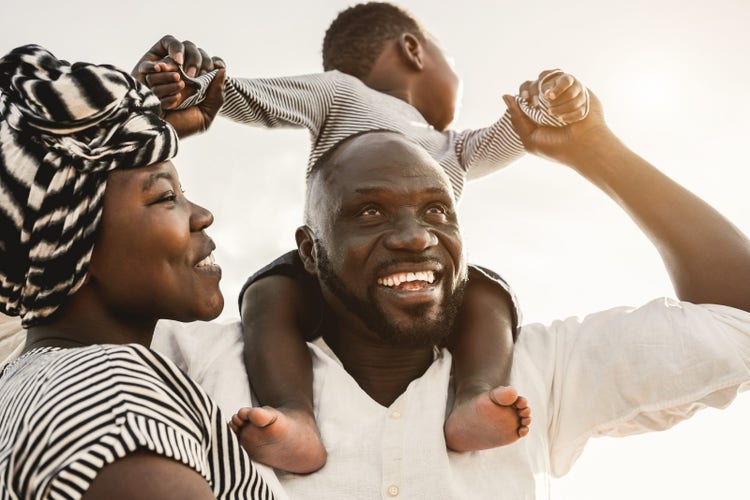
x,y
294,101
483,151
627,371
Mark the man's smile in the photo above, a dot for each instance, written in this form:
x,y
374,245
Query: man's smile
x,y
411,283
408,280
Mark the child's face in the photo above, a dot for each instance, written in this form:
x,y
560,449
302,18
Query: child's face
x,y
440,90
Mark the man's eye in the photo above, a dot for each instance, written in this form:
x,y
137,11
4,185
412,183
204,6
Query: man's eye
x,y
438,210
369,212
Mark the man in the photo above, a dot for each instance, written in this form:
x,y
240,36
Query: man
x,y
381,391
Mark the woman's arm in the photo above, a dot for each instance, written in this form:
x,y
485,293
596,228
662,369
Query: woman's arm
x,y
147,476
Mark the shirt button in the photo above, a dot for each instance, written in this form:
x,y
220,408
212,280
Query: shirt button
x,y
393,490
396,414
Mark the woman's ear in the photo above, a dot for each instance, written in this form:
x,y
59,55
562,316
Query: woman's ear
x,y
412,50
306,248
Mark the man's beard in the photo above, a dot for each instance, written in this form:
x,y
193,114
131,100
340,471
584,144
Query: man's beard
x,y
421,332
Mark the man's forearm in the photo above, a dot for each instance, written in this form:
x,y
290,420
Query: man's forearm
x,y
707,257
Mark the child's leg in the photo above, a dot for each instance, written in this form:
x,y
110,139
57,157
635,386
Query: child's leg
x,y
282,434
486,413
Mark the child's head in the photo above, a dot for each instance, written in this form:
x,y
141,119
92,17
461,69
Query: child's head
x,y
358,35
356,39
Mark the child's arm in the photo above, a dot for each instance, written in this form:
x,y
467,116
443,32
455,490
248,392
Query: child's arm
x,y
483,151
276,310
296,101
486,413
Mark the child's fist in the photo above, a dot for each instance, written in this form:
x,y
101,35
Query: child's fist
x,y
564,97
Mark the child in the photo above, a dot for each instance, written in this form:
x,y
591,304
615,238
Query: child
x,y
383,71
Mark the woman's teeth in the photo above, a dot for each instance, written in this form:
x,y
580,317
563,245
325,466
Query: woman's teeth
x,y
208,261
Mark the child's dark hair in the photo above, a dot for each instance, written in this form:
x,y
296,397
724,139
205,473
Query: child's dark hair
x,y
355,39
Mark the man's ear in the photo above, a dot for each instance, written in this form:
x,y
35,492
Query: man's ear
x,y
306,248
412,50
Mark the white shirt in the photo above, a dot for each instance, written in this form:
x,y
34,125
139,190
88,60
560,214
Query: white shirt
x,y
617,372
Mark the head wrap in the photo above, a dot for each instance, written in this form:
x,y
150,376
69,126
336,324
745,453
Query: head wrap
x,y
63,127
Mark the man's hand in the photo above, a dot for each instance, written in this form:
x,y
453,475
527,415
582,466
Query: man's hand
x,y
569,145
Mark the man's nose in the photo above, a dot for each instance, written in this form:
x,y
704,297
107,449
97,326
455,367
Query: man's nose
x,y
409,233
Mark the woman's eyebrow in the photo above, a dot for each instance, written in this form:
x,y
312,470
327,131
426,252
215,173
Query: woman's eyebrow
x,y
152,178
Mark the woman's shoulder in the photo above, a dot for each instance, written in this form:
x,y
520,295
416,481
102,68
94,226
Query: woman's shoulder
x,y
106,375
55,363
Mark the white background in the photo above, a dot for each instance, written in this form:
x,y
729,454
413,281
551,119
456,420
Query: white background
x,y
673,77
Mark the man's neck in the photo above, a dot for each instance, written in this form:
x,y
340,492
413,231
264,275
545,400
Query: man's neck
x,y
382,370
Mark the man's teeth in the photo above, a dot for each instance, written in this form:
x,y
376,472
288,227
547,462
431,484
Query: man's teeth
x,y
208,261
398,278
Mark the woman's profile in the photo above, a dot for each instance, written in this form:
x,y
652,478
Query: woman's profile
x,y
98,242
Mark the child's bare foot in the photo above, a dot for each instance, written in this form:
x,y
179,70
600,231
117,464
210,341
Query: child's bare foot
x,y
285,440
487,420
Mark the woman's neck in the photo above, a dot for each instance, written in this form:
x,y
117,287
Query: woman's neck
x,y
84,320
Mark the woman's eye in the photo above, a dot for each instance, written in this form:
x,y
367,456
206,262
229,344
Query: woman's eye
x,y
167,197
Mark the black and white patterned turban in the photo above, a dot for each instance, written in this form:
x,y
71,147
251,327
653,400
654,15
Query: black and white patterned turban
x,y
63,127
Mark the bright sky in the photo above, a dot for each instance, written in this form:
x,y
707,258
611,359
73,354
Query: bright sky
x,y
671,75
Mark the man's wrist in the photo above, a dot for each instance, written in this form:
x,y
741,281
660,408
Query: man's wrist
x,y
598,158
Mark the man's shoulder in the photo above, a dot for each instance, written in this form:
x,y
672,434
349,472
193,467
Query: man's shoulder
x,y
194,347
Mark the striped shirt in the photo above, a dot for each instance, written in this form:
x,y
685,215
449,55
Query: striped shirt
x,y
334,105
67,413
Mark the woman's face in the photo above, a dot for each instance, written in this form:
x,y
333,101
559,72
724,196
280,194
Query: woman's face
x,y
152,257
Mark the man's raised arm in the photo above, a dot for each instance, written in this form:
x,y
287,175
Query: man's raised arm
x,y
707,257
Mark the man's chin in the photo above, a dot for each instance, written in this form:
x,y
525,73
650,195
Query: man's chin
x,y
420,325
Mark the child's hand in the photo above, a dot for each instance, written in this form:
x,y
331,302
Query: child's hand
x,y
159,69
561,93
164,79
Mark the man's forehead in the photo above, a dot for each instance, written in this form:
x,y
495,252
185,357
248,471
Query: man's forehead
x,y
385,161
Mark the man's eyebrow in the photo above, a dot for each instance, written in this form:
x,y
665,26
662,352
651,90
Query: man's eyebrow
x,y
151,179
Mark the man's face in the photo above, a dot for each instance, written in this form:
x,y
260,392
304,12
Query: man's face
x,y
388,247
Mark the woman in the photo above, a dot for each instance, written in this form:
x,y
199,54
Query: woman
x,y
97,242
